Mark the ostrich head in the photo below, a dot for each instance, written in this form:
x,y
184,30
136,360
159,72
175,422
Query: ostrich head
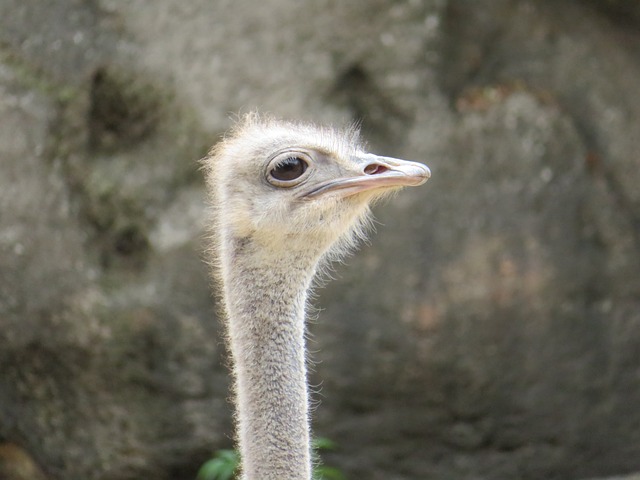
x,y
299,188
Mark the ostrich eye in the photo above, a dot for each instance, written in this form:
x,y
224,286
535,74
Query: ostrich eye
x,y
288,169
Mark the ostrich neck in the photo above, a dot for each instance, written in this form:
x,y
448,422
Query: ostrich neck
x,y
265,300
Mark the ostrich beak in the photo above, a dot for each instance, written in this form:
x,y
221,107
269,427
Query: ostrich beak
x,y
375,172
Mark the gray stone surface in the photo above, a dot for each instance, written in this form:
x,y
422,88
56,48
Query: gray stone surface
x,y
490,330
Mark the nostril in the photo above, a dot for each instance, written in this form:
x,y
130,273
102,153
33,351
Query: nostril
x,y
374,169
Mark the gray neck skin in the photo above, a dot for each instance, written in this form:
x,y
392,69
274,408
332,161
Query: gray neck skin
x,y
265,300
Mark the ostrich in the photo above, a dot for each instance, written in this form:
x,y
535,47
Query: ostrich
x,y
286,198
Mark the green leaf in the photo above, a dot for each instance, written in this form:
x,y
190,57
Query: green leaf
x,y
221,467
224,465
322,472
321,443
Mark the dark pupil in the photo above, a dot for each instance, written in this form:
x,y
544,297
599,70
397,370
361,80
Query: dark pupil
x,y
289,169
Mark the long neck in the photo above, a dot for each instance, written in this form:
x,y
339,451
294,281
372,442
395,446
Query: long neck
x,y
265,301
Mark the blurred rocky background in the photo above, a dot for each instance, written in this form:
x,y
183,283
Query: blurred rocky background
x,y
490,330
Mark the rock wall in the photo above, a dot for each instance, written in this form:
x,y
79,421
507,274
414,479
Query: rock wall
x,y
490,330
